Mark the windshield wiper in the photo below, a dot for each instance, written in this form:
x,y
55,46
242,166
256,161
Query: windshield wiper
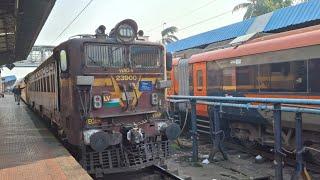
x,y
92,60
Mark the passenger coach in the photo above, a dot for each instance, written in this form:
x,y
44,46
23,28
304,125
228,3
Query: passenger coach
x,y
283,65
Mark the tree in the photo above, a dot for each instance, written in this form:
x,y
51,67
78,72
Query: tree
x,y
168,35
259,7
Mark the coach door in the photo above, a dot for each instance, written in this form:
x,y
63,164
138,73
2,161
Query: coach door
x,y
200,85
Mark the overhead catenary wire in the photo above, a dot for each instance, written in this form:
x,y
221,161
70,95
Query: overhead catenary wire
x,y
205,20
184,15
73,20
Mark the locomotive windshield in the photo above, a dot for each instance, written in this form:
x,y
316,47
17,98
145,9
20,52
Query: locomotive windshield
x,y
119,56
145,56
105,55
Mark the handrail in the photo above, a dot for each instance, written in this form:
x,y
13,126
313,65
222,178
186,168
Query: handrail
x,y
273,104
250,99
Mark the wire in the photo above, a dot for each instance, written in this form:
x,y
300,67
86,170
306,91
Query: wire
x,y
313,149
205,20
184,15
185,122
73,21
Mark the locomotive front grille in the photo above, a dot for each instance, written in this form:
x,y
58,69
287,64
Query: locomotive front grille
x,y
119,159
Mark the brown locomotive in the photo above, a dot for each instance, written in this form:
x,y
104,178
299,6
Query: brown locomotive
x,y
105,94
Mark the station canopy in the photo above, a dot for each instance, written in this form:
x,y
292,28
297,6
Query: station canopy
x,y
284,19
20,25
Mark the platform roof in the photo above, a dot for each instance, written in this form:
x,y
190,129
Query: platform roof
x,y
20,25
300,15
308,12
216,35
8,78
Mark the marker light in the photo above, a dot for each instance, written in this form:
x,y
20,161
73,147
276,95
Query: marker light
x,y
97,102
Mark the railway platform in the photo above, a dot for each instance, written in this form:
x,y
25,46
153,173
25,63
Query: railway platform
x,y
28,150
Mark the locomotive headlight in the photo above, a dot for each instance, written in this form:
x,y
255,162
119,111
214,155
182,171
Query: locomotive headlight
x,y
87,134
96,138
126,33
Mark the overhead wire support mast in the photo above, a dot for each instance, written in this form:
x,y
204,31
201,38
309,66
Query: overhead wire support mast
x,y
86,6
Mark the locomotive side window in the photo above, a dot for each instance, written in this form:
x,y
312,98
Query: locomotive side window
x,y
63,60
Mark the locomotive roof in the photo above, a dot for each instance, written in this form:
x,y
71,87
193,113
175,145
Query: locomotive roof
x,y
287,40
77,41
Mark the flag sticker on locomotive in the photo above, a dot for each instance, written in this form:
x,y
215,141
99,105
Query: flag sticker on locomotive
x,y
112,103
145,86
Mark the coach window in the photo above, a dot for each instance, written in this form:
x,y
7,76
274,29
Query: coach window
x,y
215,78
246,77
190,80
44,84
53,84
63,60
314,74
48,85
41,85
228,75
199,79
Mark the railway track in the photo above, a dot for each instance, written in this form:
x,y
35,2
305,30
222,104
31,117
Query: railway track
x,y
288,160
150,173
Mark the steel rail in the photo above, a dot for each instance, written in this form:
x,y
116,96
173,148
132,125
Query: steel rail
x,y
167,173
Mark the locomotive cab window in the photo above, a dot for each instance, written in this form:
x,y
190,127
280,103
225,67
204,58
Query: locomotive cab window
x,y
145,56
107,55
63,60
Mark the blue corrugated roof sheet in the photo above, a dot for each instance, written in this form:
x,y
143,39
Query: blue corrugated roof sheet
x,y
9,78
216,35
294,15
281,18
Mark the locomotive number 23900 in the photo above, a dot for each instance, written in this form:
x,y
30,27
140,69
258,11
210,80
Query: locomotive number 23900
x,y
126,77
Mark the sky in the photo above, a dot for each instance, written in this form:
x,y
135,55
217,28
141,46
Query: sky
x,y
191,17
